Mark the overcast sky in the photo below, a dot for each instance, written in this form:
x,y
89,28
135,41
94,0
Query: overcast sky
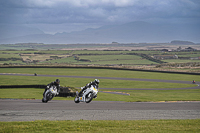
x,y
53,16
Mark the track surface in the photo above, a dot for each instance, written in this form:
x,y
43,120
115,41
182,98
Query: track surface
x,y
30,110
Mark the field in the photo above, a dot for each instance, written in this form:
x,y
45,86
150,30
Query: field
x,y
48,55
135,95
138,59
101,125
137,126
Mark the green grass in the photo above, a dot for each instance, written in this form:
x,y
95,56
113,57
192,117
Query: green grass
x,y
99,126
9,56
78,82
118,62
111,57
10,61
180,61
104,60
100,52
151,95
22,93
97,57
17,52
26,93
69,60
135,95
114,59
102,73
162,126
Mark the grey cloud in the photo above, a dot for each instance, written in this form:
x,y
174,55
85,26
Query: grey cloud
x,y
98,11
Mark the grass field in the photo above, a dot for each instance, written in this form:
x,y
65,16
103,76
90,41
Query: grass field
x,y
180,61
97,58
130,126
135,95
94,57
111,58
110,126
102,73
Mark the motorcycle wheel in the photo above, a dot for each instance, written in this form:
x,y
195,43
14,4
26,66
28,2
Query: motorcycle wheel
x,y
76,100
89,97
48,97
43,100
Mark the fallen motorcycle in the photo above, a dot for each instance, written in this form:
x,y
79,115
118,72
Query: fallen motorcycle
x,y
87,95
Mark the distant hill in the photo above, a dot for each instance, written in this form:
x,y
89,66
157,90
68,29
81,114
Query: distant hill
x,y
11,31
182,42
134,32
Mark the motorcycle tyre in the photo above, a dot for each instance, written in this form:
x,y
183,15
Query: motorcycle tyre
x,y
44,101
90,98
48,97
76,101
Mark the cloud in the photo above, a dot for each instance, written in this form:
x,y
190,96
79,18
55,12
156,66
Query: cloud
x,y
98,11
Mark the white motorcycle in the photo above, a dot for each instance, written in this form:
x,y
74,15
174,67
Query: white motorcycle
x,y
87,95
50,94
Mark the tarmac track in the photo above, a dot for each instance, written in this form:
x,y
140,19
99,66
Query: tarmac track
x,y
30,110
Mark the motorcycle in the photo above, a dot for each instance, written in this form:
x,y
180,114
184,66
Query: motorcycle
x,y
87,95
50,94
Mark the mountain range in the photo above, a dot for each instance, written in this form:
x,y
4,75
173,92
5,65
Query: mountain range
x,y
134,32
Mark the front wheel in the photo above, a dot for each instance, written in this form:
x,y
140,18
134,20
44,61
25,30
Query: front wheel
x,y
44,100
76,100
89,97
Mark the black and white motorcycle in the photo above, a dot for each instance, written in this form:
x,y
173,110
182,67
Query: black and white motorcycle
x,y
87,95
50,94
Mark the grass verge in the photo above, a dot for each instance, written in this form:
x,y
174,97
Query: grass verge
x,y
102,73
135,95
99,126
